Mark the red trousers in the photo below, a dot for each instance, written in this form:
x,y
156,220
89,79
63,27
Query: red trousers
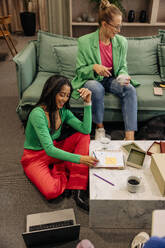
x,y
64,175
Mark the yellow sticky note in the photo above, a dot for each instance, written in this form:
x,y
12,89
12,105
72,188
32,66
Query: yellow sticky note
x,y
110,160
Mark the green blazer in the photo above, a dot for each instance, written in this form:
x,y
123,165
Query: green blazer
x,y
89,54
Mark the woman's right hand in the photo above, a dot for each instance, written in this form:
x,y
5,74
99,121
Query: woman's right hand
x,y
102,70
88,160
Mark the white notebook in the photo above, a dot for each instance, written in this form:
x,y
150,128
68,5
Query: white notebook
x,y
109,159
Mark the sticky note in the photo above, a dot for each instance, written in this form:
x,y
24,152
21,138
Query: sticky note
x,y
110,160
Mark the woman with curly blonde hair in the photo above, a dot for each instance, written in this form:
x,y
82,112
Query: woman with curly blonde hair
x,y
101,59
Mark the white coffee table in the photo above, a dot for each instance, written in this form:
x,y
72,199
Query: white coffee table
x,y
114,206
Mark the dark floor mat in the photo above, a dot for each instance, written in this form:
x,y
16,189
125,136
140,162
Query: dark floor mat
x,y
153,129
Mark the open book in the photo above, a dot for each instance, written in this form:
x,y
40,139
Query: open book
x,y
109,159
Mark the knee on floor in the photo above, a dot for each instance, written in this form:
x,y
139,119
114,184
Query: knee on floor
x,y
53,191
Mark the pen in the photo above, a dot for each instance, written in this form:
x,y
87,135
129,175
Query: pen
x,y
95,155
103,179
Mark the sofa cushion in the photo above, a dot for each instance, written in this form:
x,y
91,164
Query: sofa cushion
x,y
46,60
161,54
32,94
162,33
142,57
66,59
146,98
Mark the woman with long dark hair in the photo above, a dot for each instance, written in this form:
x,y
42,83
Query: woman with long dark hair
x,y
69,156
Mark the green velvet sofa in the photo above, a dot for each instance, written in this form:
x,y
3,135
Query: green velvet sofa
x,y
53,54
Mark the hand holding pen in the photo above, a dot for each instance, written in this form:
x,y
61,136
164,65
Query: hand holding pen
x,y
94,154
88,160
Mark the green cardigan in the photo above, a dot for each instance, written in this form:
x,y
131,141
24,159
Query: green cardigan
x,y
38,135
89,54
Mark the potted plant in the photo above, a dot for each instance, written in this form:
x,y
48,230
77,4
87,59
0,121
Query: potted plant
x,y
115,2
28,19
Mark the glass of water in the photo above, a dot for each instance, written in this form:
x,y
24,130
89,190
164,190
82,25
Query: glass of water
x,y
122,79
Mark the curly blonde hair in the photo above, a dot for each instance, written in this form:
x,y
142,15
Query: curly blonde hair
x,y
107,11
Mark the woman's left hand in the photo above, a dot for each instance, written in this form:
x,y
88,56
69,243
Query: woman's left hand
x,y
85,94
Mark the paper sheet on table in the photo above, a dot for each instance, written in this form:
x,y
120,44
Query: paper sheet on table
x,y
110,159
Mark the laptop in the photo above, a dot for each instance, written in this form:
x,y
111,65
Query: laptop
x,y
55,228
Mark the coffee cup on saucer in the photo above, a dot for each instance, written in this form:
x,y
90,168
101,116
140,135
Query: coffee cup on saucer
x,y
133,183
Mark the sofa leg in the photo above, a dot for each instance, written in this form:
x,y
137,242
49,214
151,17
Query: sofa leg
x,y
129,135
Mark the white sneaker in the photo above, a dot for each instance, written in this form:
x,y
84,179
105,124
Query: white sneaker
x,y
99,133
139,240
85,243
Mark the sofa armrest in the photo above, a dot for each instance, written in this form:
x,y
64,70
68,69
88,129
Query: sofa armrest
x,y
26,66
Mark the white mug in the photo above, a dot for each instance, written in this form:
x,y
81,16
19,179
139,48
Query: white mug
x,y
133,183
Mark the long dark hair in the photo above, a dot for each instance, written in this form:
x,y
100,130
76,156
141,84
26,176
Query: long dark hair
x,y
53,86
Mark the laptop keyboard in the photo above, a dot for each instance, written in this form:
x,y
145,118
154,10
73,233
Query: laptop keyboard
x,y
51,225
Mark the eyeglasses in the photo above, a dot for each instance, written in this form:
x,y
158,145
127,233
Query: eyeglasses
x,y
118,27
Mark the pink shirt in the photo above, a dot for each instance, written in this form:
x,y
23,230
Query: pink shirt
x,y
106,54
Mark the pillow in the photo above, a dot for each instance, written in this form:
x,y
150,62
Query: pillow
x,y
46,60
161,54
66,59
142,56
162,33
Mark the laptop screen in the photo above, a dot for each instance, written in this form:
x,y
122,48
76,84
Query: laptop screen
x,y
52,236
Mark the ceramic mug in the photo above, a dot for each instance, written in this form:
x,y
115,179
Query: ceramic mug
x,y
133,183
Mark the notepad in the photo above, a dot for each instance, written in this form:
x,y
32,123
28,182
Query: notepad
x,y
110,159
